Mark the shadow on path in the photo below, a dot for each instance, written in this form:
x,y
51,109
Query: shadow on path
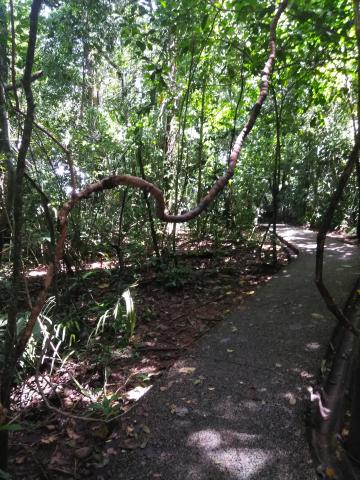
x,y
235,408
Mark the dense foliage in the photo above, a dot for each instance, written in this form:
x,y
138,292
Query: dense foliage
x,y
159,89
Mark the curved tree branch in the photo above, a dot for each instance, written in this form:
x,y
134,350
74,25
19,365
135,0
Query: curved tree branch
x,y
136,182
321,237
20,83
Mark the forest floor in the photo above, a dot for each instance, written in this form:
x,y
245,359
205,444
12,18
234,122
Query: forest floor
x,y
191,396
234,407
103,378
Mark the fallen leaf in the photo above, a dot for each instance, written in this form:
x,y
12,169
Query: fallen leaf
x,y
101,431
111,451
82,452
137,393
57,458
330,473
71,434
49,439
291,398
129,430
144,443
146,429
130,444
180,411
186,370
199,380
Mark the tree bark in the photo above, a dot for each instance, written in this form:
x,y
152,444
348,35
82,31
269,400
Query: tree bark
x,y
354,430
147,203
10,357
321,237
200,160
276,176
5,145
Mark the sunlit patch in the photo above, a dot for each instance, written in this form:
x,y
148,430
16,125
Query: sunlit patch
x,y
137,392
219,450
246,461
38,272
207,439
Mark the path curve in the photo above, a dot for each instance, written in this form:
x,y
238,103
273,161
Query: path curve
x,y
236,406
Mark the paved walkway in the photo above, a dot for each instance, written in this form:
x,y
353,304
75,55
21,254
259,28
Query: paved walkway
x,y
236,407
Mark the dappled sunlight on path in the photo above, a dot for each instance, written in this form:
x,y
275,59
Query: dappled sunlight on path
x,y
235,408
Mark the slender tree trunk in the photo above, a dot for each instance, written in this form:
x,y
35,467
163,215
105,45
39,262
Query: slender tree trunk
x,y
179,163
10,358
200,160
119,245
354,431
148,205
357,29
276,176
5,145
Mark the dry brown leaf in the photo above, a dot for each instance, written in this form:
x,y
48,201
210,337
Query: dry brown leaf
x,y
330,473
71,434
49,439
82,452
186,370
111,451
130,431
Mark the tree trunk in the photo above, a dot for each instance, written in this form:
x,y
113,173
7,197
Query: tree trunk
x,y
10,358
276,176
354,431
5,145
147,203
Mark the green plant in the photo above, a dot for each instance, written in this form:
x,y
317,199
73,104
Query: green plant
x,y
106,406
117,319
175,277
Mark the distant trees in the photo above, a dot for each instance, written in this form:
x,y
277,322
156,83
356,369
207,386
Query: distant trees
x,y
153,95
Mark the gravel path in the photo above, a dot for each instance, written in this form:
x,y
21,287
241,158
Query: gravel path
x,y
235,408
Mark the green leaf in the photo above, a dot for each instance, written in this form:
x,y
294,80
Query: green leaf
x,y
11,427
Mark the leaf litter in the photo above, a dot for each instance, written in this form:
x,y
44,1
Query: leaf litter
x,y
169,320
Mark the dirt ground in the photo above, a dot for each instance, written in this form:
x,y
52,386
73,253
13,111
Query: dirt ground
x,y
66,410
